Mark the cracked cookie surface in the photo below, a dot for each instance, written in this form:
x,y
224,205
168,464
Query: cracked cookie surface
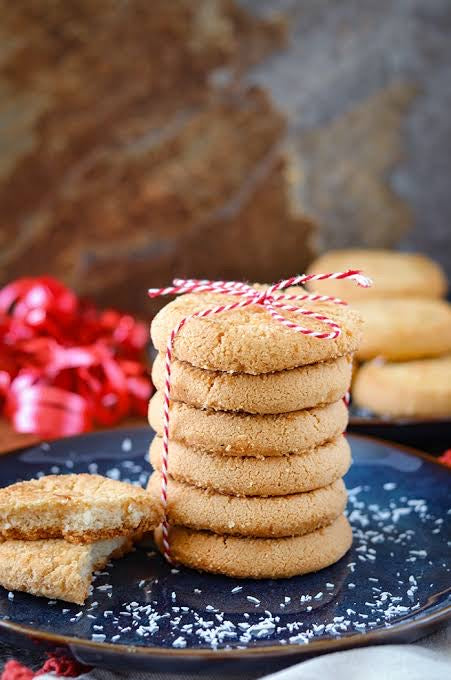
x,y
249,340
241,434
268,517
259,557
267,393
256,476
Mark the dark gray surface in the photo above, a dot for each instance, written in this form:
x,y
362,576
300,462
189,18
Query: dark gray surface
x,y
374,80
32,659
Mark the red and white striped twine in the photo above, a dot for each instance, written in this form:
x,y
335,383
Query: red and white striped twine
x,y
274,302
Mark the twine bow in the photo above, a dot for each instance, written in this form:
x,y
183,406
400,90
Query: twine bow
x,y
270,299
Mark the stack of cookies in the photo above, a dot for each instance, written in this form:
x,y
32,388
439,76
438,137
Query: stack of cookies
x,y
406,350
257,451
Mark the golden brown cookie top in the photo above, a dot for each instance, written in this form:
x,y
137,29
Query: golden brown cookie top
x,y
394,274
413,389
249,340
405,328
68,488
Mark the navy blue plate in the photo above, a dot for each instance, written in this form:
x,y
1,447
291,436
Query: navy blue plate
x,y
394,584
429,434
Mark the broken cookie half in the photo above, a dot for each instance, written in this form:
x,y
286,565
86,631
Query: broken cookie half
x,y
56,569
59,529
79,508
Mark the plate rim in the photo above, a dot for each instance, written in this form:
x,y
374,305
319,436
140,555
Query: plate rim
x,y
315,646
379,421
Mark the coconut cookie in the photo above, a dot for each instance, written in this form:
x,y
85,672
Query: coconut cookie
x,y
79,508
267,393
249,476
403,329
291,515
249,340
260,557
241,434
56,569
394,274
420,389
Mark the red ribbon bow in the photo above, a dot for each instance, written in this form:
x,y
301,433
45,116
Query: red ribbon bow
x,y
65,366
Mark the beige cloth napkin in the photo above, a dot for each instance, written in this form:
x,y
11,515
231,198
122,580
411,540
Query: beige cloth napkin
x,y
429,659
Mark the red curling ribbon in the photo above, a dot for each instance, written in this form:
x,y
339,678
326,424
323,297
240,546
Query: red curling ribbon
x,y
445,458
66,367
61,666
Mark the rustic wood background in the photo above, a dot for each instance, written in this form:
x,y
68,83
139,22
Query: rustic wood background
x,y
129,158
145,139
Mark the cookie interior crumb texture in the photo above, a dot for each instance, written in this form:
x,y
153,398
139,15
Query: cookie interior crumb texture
x,y
80,508
393,572
54,568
